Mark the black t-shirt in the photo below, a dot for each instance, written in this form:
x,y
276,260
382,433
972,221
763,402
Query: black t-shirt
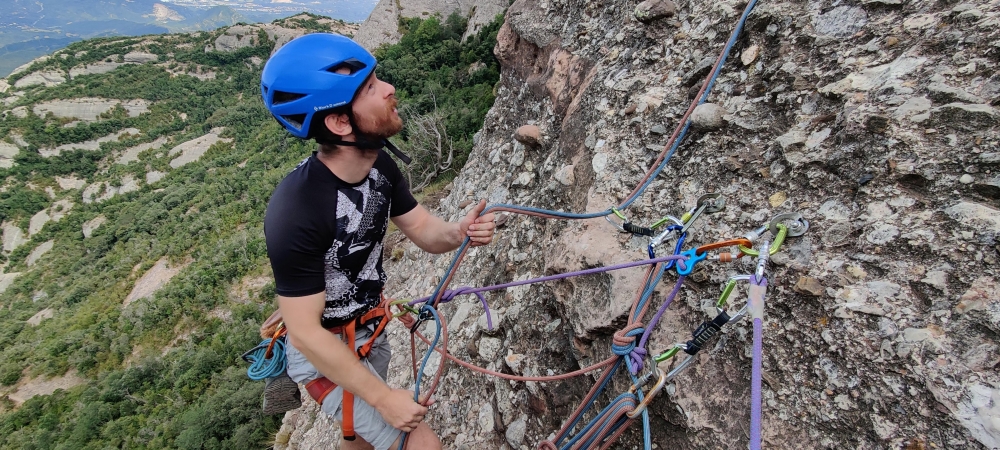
x,y
324,234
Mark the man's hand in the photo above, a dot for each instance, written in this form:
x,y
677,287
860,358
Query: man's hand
x,y
399,410
478,229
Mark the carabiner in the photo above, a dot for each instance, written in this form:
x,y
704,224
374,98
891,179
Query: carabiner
x,y
720,305
670,354
779,239
649,396
621,216
708,203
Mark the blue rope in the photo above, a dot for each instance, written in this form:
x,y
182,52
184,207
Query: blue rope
x,y
704,96
600,389
423,364
609,410
261,367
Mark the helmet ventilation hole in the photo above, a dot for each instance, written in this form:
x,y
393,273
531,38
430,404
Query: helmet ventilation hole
x,y
352,65
295,120
281,97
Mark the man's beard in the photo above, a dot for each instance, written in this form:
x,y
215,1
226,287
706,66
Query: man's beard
x,y
382,126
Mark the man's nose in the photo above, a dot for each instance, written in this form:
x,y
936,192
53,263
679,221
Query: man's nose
x,y
390,89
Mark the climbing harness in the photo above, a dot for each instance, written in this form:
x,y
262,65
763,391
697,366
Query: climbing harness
x,y
320,387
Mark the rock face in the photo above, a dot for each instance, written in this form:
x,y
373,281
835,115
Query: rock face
x,y
382,27
88,108
154,279
240,36
191,150
880,321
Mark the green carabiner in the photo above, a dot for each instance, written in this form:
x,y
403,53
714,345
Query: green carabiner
x,y
775,246
726,292
668,354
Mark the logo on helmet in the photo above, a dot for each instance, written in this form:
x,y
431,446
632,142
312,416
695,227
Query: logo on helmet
x,y
332,105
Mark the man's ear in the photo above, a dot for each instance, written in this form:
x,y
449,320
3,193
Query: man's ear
x,y
338,124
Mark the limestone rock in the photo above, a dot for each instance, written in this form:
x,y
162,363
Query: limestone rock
x,y
95,68
749,55
36,319
515,431
6,279
989,187
965,116
139,57
191,150
809,285
529,135
7,154
381,26
840,22
565,175
975,215
37,253
154,279
91,225
943,93
47,79
651,10
708,116
88,109
13,237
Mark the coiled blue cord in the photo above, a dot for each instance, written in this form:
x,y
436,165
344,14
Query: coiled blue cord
x,y
262,367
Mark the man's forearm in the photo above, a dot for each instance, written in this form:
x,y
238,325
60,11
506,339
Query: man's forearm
x,y
437,236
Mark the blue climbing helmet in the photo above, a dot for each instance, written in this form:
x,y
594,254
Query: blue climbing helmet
x,y
301,79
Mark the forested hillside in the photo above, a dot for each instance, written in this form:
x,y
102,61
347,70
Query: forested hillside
x,y
136,173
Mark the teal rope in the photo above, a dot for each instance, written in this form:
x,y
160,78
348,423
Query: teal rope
x,y
261,367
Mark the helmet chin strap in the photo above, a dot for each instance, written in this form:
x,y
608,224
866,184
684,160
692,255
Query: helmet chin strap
x,y
369,144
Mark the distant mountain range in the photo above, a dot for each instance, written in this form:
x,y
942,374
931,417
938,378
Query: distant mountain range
x,y
32,28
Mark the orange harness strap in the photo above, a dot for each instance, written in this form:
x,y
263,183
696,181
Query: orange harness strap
x,y
321,387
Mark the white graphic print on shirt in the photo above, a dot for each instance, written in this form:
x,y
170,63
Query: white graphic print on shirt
x,y
353,266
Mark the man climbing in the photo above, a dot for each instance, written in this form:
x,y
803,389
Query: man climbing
x,y
325,224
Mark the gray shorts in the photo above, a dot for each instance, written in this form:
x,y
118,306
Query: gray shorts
x,y
368,423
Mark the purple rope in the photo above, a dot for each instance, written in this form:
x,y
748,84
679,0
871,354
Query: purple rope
x,y
451,294
755,401
755,374
639,353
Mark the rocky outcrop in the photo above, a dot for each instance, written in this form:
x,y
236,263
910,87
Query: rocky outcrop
x,y
46,78
38,252
880,321
191,150
240,36
13,237
53,213
91,225
88,108
103,190
132,153
7,154
88,145
162,13
382,25
154,279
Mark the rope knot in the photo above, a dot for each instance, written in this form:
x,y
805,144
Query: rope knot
x,y
624,341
